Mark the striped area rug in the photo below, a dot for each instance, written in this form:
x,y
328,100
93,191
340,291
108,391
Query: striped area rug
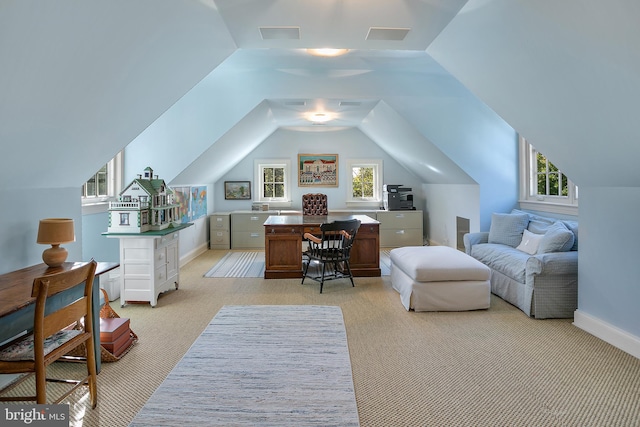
x,y
239,264
251,264
264,365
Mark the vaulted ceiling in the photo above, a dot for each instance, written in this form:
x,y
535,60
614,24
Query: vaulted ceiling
x,y
85,79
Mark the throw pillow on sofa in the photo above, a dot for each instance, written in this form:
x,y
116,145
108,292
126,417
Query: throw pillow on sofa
x,y
530,242
558,238
507,229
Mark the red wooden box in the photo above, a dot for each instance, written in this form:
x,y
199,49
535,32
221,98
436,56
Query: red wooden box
x,y
113,328
118,345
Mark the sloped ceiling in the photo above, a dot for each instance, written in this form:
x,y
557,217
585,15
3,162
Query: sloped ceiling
x,y
85,79
80,80
565,74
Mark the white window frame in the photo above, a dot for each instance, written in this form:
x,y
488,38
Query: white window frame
x,y
567,205
98,204
374,201
258,194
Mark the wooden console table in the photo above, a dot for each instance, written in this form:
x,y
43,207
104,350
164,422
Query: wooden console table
x,y
283,244
17,305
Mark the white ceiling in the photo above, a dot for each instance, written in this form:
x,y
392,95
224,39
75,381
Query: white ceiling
x,y
333,24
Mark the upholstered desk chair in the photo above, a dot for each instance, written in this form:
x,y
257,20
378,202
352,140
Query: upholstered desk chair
x,y
314,204
332,251
54,335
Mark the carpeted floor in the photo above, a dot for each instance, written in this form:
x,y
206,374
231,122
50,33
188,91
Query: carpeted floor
x,y
251,367
494,367
251,264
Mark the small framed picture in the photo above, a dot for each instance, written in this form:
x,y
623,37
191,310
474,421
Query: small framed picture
x,y
237,190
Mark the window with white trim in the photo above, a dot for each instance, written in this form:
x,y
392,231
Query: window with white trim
x,y
104,184
272,180
543,186
365,181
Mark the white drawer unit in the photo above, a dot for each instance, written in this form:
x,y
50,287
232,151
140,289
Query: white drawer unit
x,y
149,265
219,231
400,228
247,230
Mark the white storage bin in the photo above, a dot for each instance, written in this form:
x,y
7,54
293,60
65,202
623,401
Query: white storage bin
x,y
110,282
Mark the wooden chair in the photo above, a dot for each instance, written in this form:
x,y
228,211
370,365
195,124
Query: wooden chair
x,y
331,250
314,204
54,335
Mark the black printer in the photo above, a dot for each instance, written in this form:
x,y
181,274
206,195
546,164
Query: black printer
x,y
397,198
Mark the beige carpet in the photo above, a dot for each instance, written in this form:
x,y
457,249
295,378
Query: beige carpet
x,y
494,367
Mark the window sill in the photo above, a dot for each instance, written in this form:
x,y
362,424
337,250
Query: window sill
x,y
556,208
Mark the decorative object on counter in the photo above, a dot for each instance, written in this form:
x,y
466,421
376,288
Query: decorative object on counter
x,y
54,232
317,170
147,203
237,190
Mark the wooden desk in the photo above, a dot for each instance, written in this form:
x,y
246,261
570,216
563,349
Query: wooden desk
x,y
283,244
17,306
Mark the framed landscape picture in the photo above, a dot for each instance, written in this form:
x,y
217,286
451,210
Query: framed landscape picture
x,y
317,170
237,190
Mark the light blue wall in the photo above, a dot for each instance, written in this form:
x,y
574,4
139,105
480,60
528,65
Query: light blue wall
x,y
609,268
20,224
348,144
95,244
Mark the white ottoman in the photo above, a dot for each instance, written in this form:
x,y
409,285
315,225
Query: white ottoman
x,y
439,278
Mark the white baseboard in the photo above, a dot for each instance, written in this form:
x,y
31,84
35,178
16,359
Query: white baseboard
x,y
607,332
194,254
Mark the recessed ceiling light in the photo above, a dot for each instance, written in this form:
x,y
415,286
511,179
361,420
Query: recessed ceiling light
x,y
318,117
327,52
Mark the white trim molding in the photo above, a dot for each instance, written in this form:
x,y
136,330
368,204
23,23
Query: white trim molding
x,y
607,332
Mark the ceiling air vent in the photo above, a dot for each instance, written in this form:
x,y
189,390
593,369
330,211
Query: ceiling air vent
x,y
296,103
280,33
385,33
350,103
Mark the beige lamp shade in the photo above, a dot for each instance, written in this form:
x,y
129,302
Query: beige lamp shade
x,y
54,231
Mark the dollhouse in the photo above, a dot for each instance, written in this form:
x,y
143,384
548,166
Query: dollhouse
x,y
146,204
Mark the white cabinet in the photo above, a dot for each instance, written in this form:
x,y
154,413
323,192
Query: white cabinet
x,y
149,265
400,228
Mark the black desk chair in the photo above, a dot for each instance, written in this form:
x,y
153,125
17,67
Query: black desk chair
x,y
331,250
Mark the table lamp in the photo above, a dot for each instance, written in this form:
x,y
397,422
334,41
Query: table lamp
x,y
54,232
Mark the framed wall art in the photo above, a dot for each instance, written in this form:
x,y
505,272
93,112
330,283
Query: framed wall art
x,y
317,170
237,190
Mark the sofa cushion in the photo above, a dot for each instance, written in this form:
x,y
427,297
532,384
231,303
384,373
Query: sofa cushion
x,y
540,224
530,242
507,260
558,238
507,229
573,226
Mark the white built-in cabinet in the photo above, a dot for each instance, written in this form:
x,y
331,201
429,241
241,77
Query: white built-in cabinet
x,y
149,265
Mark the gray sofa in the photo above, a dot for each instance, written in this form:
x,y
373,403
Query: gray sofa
x,y
533,261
